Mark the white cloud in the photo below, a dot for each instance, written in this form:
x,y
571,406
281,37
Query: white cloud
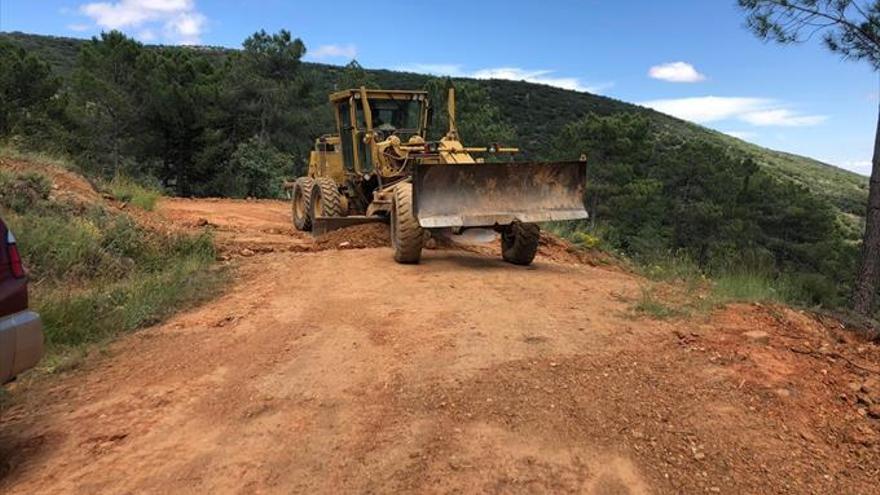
x,y
532,76
858,166
180,21
702,109
847,163
744,135
186,27
678,72
348,51
146,35
78,27
755,111
541,76
454,70
782,117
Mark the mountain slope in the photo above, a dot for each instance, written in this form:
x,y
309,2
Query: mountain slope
x,y
538,112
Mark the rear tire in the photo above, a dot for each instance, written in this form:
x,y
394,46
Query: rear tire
x,y
301,203
326,199
407,236
519,243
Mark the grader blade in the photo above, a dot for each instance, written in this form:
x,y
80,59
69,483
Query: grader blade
x,y
322,225
487,194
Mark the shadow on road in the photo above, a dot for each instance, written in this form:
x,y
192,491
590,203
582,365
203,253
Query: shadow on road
x,y
478,261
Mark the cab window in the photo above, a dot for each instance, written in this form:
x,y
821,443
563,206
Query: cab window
x,y
345,136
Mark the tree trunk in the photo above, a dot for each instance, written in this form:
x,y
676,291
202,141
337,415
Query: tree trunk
x,y
869,265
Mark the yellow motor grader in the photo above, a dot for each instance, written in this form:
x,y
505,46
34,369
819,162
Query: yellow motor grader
x,y
379,166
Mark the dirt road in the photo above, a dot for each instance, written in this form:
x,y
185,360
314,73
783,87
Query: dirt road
x,y
326,370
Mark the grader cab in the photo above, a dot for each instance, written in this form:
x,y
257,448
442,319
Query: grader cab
x,y
380,166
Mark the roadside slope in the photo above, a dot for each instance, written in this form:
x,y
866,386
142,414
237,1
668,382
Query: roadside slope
x,y
97,266
341,370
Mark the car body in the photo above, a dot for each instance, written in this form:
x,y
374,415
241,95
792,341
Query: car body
x,y
21,330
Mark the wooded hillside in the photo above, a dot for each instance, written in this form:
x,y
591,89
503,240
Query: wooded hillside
x,y
537,112
203,121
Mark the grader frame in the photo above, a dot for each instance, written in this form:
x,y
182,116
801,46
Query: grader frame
x,y
380,166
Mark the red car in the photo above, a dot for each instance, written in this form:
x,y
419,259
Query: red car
x,y
21,330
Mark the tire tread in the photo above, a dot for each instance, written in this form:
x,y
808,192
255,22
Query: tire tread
x,y
519,245
331,198
303,186
407,235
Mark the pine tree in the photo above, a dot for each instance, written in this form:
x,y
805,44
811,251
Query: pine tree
x,y
851,29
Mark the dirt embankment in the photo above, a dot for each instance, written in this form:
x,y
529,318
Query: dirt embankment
x,y
67,185
337,370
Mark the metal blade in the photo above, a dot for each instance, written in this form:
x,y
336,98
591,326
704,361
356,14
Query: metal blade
x,y
486,194
322,225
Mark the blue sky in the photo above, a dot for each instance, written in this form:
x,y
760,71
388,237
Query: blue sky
x,y
690,58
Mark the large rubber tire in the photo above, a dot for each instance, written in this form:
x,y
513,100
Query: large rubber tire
x,y
407,236
519,243
301,203
326,199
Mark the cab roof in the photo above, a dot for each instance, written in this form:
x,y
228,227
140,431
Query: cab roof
x,y
379,94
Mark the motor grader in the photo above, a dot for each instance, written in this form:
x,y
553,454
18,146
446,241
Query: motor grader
x,y
380,166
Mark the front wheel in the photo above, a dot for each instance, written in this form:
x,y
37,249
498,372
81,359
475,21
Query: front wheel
x,y
519,243
407,236
327,201
302,203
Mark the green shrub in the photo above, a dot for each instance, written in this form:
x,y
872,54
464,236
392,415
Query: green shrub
x,y
20,192
650,305
137,278
123,238
751,286
755,284
670,266
14,152
59,247
255,169
125,189
76,317
814,289
587,240
97,273
581,233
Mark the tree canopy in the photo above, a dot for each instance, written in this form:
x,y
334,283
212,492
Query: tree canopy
x,y
28,95
848,27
